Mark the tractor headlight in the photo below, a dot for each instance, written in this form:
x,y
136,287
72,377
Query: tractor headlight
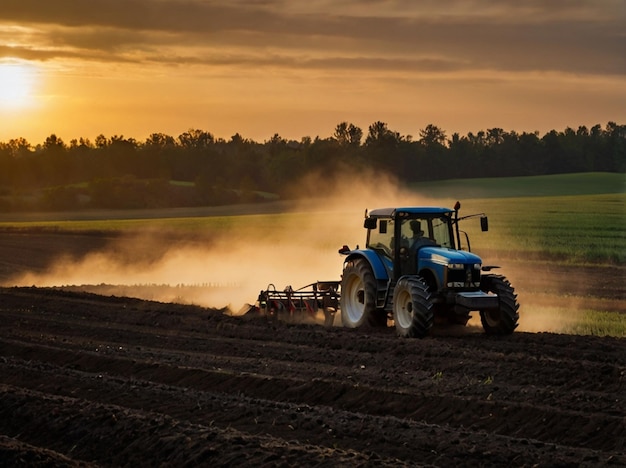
x,y
456,266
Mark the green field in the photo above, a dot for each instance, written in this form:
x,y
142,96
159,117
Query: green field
x,y
576,229
572,218
593,183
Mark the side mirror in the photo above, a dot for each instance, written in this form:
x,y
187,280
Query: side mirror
x,y
484,223
370,223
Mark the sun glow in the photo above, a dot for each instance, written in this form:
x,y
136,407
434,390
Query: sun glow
x,y
16,85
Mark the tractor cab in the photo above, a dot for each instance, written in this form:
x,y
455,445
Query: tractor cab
x,y
398,234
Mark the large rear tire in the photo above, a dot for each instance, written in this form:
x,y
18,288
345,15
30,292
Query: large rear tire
x,y
412,309
358,296
503,320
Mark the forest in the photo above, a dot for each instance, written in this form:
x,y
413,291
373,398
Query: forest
x,y
197,169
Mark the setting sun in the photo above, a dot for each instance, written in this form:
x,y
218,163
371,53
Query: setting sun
x,y
16,84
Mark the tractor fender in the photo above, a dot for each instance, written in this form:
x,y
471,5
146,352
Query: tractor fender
x,y
378,267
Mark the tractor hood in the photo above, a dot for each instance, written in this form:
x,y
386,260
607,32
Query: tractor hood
x,y
445,256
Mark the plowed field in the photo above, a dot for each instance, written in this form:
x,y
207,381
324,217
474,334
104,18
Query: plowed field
x,y
93,380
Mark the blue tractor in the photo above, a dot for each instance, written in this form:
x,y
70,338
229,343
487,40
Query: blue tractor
x,y
413,271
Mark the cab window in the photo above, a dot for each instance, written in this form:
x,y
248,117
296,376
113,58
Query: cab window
x,y
381,237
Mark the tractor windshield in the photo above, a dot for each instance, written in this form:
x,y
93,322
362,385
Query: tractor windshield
x,y
427,231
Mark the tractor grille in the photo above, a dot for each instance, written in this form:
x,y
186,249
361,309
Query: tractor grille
x,y
468,277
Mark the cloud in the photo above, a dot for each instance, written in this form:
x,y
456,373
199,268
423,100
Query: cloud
x,y
393,36
577,37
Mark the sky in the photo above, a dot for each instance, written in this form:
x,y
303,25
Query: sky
x,y
81,68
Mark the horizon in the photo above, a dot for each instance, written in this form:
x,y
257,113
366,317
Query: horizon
x,y
297,69
219,138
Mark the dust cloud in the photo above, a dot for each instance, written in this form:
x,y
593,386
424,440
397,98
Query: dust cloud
x,y
228,269
556,297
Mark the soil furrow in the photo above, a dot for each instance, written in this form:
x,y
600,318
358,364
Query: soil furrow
x,y
482,413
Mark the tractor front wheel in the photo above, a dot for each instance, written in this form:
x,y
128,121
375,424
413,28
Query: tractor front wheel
x,y
412,309
503,320
358,296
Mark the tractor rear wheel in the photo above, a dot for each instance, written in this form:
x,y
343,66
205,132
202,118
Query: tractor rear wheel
x,y
503,320
412,309
358,296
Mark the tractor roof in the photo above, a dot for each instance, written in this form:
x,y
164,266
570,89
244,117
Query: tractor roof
x,y
413,210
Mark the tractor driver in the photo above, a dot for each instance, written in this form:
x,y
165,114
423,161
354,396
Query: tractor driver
x,y
418,238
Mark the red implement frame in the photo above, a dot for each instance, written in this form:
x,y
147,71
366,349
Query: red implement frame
x,y
298,304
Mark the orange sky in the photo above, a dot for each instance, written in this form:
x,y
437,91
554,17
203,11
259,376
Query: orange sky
x,y
81,68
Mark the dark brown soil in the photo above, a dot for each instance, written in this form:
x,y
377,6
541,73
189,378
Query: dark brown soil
x,y
88,379
92,380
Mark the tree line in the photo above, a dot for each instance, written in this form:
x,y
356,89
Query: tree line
x,y
196,168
